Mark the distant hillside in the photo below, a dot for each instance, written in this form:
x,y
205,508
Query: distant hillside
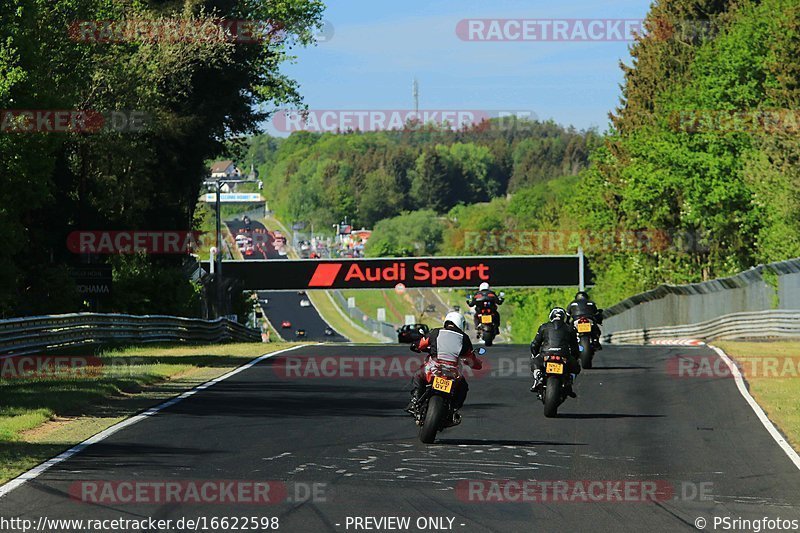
x,y
321,178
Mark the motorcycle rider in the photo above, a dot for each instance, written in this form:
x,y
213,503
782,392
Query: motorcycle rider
x,y
555,337
582,306
484,294
450,345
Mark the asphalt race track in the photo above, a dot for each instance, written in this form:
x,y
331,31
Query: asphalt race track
x,y
296,419
282,306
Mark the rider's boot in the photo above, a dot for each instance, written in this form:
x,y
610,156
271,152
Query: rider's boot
x,y
413,403
538,381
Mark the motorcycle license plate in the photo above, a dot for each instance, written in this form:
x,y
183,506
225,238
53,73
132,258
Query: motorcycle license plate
x,y
486,319
555,368
442,384
584,328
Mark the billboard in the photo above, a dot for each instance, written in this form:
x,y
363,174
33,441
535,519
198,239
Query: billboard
x,y
239,197
92,280
419,272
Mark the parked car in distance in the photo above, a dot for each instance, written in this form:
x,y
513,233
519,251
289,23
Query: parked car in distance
x,y
411,333
286,324
305,303
300,333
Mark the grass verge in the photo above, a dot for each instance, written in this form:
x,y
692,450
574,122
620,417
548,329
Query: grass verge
x,y
42,416
330,314
369,301
772,370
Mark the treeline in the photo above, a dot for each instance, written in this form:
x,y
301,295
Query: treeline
x,y
192,93
370,176
697,178
705,144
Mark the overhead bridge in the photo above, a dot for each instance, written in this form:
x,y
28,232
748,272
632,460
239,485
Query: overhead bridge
x,y
418,272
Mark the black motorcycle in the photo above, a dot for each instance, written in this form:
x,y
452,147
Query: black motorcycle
x,y
487,326
556,379
488,321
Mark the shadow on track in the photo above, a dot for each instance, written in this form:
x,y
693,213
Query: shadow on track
x,y
595,368
494,442
588,416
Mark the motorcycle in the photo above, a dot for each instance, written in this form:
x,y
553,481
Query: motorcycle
x,y
488,326
584,326
556,379
436,412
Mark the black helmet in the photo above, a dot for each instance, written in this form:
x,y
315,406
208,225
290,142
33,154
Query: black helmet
x,y
581,295
558,313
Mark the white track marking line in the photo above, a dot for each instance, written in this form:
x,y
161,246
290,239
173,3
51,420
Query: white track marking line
x,y
47,465
762,416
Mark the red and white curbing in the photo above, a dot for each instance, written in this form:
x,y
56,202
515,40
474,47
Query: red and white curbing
x,y
676,342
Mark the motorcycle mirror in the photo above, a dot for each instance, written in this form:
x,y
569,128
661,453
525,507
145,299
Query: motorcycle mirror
x,y
481,351
502,295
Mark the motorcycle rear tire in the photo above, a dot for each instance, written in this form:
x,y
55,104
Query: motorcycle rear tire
x,y
552,397
433,419
587,353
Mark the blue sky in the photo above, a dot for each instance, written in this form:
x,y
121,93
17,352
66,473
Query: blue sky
x,y
379,46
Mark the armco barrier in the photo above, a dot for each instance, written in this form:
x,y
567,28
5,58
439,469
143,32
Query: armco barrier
x,y
750,325
41,333
766,287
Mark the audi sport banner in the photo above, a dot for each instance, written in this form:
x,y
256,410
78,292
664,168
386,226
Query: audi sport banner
x,y
528,271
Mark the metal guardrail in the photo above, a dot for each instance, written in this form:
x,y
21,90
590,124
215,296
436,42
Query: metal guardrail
x,y
382,329
742,279
761,288
20,336
746,325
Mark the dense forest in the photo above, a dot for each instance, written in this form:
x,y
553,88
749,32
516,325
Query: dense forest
x,y
703,145
197,92
370,176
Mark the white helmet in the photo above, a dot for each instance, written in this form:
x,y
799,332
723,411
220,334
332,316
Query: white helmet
x,y
457,319
484,287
